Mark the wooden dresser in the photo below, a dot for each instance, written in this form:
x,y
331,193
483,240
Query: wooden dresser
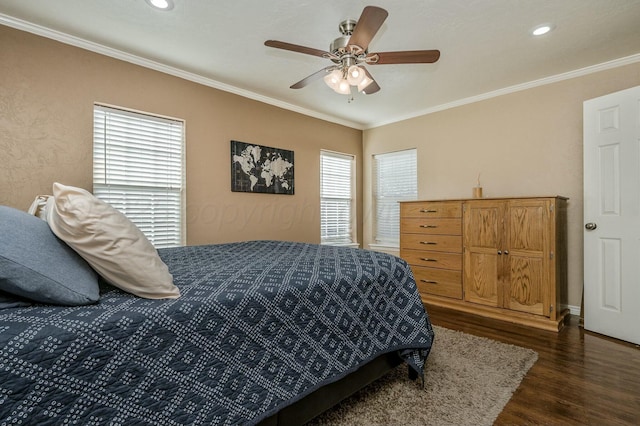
x,y
503,258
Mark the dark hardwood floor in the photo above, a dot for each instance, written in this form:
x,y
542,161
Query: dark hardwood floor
x,y
580,378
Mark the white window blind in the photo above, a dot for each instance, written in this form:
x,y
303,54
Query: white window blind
x,y
138,169
395,179
336,182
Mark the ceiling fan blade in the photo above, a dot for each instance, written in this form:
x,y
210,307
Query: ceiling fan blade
x,y
368,25
373,86
296,48
405,57
313,77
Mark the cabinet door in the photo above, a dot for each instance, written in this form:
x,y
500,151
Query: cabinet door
x,y
526,257
483,223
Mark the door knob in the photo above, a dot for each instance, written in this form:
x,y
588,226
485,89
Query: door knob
x,y
590,226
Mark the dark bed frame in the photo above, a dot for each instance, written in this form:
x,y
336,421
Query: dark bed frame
x,y
327,396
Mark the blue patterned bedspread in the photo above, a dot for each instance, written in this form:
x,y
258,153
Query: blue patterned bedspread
x,y
259,325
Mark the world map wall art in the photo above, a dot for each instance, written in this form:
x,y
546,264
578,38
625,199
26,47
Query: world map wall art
x,y
261,169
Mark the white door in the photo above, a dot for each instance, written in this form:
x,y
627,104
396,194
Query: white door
x,y
612,215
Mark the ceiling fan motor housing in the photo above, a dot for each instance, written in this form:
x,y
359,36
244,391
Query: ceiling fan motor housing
x,y
346,27
338,46
345,53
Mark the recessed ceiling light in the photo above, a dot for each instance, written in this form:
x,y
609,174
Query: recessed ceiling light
x,y
541,29
161,4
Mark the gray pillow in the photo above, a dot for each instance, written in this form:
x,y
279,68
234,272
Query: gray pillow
x,y
36,265
11,301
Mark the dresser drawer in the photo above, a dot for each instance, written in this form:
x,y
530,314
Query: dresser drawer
x,y
415,225
431,209
440,282
448,243
433,259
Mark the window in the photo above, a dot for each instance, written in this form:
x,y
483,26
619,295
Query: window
x,y
336,203
138,169
394,180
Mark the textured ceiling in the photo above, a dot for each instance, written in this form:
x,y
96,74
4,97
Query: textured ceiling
x,y
486,45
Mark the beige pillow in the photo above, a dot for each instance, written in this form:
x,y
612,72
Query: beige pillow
x,y
109,242
39,207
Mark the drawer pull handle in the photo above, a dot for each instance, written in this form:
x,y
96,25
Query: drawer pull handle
x,y
428,242
429,281
426,259
428,226
428,211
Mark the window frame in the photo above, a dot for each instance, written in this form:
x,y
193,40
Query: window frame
x,y
384,241
352,239
107,186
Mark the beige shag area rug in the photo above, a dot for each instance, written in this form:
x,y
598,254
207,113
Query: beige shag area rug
x,y
469,380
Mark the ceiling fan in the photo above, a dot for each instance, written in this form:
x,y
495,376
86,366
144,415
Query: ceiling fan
x,y
350,51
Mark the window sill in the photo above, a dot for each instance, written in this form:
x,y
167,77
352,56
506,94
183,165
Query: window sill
x,y
351,245
385,248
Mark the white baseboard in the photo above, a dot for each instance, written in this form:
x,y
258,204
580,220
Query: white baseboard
x,y
574,310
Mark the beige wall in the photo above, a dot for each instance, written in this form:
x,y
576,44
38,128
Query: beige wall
x,y
527,143
47,92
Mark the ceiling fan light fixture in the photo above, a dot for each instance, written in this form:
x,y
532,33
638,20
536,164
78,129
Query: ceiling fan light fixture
x,y
343,87
328,81
355,74
333,79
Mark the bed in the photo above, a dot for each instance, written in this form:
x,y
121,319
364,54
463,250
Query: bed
x,y
264,332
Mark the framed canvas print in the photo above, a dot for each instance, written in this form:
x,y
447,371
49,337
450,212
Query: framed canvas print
x,y
261,169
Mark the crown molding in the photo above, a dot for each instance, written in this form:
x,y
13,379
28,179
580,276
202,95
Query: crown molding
x,y
147,63
512,89
137,60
